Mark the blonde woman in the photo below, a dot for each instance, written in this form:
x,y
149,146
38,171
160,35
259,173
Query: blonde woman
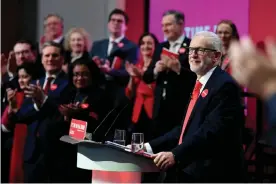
x,y
77,43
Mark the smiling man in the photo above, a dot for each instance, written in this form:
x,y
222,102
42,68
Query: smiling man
x,y
172,90
207,147
42,141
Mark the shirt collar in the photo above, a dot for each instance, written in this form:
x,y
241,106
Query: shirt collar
x,y
204,79
53,75
180,40
58,39
117,40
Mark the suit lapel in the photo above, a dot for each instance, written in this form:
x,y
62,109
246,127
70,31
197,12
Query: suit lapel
x,y
183,52
58,82
123,45
202,101
105,47
166,45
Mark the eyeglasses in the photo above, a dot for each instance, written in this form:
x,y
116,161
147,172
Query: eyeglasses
x,y
22,52
199,50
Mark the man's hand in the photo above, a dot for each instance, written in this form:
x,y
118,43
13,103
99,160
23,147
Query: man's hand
x,y
253,69
174,65
36,93
164,160
97,60
160,66
105,67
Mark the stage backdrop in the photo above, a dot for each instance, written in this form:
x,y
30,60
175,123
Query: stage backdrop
x,y
200,14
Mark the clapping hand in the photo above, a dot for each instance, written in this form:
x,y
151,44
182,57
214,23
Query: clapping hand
x,y
11,97
253,69
36,93
132,70
105,67
160,66
68,110
174,65
97,60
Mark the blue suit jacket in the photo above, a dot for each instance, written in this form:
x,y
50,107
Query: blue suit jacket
x,y
271,106
42,133
129,49
211,150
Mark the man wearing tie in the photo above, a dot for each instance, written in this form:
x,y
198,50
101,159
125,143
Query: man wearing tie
x,y
208,146
173,90
104,52
42,142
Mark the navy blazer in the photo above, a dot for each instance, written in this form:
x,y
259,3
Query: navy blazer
x,y
271,106
211,150
130,49
42,133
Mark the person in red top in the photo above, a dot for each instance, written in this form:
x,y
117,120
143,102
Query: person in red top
x,y
26,72
227,32
138,91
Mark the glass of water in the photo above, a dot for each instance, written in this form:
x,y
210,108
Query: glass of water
x,y
137,142
119,137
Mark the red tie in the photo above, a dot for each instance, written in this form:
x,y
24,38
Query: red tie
x,y
192,103
48,84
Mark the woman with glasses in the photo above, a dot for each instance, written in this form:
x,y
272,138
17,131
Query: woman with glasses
x,y
82,100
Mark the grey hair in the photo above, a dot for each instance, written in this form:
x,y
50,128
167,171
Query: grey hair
x,y
54,15
214,40
179,16
53,44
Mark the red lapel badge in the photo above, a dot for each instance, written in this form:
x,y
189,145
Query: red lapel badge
x,y
53,87
182,50
84,106
120,45
204,93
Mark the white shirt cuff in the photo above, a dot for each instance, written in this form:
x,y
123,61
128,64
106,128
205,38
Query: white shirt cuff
x,y
36,107
148,148
5,129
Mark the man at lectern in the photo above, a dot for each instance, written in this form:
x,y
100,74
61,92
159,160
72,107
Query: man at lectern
x,y
207,147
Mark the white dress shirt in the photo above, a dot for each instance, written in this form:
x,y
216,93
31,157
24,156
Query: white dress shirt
x,y
111,40
58,39
203,80
175,45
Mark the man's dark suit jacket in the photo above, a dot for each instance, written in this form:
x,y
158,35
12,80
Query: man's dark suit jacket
x,y
169,113
42,140
117,79
211,149
271,106
128,52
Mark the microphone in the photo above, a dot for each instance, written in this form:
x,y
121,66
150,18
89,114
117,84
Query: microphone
x,y
101,123
112,124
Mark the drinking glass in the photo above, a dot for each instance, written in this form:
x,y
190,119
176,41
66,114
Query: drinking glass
x,y
119,137
137,142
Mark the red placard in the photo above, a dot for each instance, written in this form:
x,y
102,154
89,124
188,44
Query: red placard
x,y
117,63
78,129
169,53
